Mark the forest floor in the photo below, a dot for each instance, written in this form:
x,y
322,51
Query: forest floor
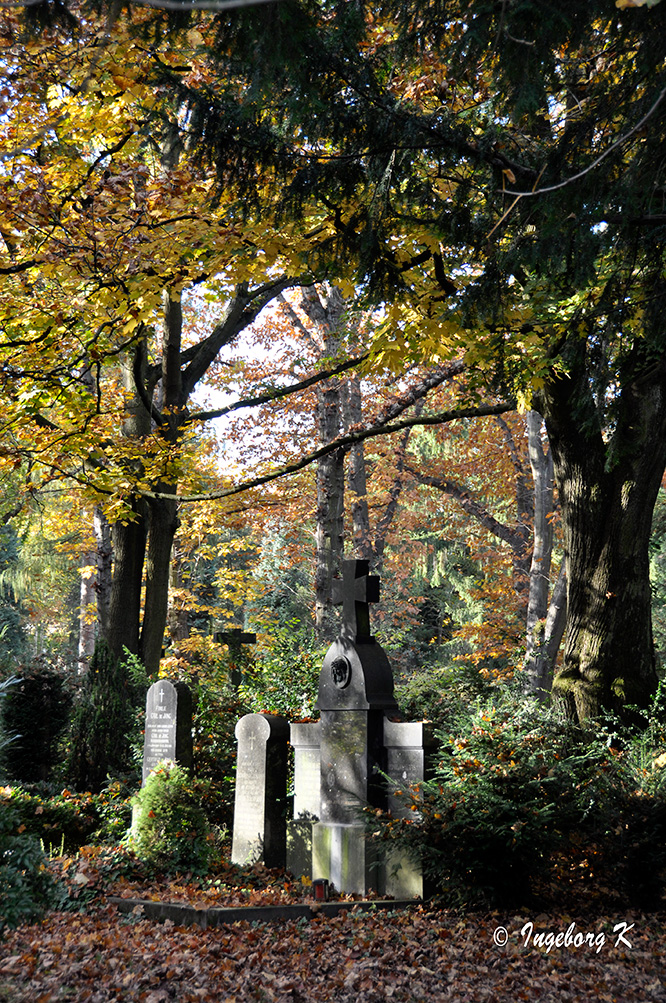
x,y
424,953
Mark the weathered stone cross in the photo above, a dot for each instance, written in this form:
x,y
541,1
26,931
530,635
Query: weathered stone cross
x,y
235,638
355,591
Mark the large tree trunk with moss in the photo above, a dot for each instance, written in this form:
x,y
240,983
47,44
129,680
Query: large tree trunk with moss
x,y
608,479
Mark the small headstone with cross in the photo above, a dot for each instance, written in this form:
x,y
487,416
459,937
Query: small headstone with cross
x,y
261,789
168,727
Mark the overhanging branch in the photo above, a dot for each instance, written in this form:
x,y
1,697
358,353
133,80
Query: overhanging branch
x,y
273,395
350,439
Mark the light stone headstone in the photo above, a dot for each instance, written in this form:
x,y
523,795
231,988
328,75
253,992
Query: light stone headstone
x,y
410,747
259,832
168,726
305,739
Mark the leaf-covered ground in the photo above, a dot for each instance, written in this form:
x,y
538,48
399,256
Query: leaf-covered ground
x,y
416,954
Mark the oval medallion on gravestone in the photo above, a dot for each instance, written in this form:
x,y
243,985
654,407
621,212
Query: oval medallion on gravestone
x,y
341,672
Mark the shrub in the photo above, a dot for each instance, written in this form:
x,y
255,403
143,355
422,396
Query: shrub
x,y
36,710
285,676
217,713
6,737
171,831
511,785
103,722
27,886
64,820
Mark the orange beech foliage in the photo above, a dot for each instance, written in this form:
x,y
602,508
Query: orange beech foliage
x,y
480,467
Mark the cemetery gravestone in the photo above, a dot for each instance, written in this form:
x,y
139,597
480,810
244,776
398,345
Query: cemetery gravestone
x,y
341,765
261,790
305,739
235,639
410,746
355,695
168,730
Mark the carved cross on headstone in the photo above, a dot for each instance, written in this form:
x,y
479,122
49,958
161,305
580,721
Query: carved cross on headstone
x,y
235,639
355,591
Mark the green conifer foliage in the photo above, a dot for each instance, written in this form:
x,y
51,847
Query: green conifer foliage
x,y
36,711
171,829
102,724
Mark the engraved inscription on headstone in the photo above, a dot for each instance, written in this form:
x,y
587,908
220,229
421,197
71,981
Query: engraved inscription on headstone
x,y
168,731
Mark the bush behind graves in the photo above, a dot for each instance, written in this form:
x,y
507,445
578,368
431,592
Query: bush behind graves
x,y
171,830
62,820
66,820
513,784
36,711
105,719
285,676
5,736
217,711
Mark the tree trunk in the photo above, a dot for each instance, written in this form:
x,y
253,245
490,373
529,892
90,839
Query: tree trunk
x,y
87,611
162,526
177,617
104,557
608,487
163,512
356,473
129,536
129,544
325,314
545,621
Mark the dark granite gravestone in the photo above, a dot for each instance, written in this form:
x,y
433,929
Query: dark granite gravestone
x,y
235,638
168,730
341,764
261,790
355,695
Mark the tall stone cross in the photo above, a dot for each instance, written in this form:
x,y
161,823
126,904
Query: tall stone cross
x,y
235,638
354,592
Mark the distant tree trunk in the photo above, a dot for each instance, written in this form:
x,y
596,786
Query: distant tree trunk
x,y
356,473
104,557
325,313
177,618
607,487
545,621
87,610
